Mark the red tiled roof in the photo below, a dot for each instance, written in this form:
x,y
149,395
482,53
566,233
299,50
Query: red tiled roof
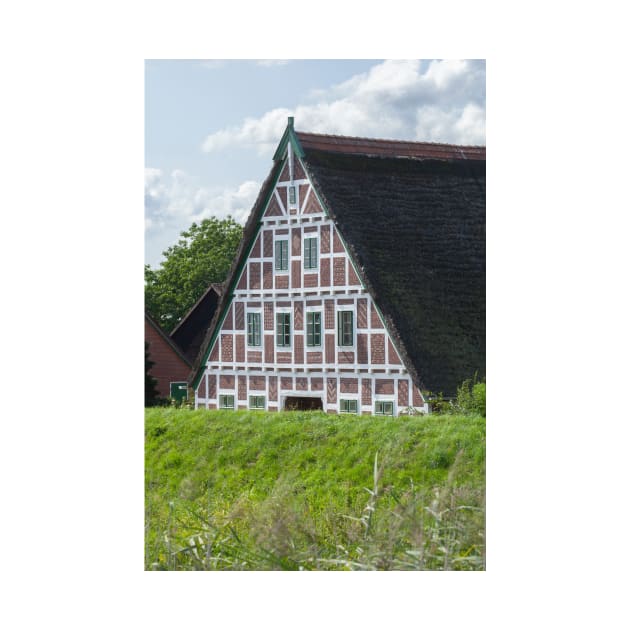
x,y
390,148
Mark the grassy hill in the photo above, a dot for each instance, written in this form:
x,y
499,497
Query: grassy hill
x,y
256,491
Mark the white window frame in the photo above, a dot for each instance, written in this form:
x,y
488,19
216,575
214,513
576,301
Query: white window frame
x,y
287,238
314,269
259,311
279,311
351,398
226,393
349,308
314,309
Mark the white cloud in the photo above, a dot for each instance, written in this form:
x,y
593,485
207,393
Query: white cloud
x,y
175,200
268,63
445,102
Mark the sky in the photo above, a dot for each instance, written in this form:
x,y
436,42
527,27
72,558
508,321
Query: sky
x,y
211,127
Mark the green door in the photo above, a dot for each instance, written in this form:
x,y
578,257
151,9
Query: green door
x,y
179,391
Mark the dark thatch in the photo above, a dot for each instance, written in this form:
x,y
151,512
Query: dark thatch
x,y
191,330
416,227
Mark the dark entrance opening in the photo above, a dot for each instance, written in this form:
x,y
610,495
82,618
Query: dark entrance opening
x,y
302,403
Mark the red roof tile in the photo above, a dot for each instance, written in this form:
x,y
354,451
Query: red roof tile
x,y
390,148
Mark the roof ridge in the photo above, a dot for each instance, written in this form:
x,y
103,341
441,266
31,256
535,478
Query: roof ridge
x,y
364,138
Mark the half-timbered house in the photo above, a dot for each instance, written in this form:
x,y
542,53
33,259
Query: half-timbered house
x,y
359,283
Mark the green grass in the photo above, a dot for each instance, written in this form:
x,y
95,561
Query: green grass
x,y
255,491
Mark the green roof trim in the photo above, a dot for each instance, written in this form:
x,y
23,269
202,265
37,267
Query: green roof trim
x,y
289,135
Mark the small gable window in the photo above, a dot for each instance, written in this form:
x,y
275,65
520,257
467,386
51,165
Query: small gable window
x,y
282,255
345,328
283,329
310,253
292,196
313,329
384,408
253,329
226,401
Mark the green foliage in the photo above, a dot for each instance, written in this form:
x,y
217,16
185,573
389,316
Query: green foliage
x,y
471,397
249,490
203,255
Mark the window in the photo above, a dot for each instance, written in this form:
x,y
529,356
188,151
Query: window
x,y
283,329
384,408
282,255
292,200
310,253
347,406
226,401
253,329
344,328
256,402
313,329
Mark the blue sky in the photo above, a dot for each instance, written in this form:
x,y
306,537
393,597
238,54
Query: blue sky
x,y
211,126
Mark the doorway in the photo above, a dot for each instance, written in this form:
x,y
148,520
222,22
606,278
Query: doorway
x,y
302,403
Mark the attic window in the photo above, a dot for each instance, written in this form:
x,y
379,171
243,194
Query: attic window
x,y
345,327
292,196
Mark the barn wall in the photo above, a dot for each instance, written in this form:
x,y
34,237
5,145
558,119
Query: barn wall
x,y
169,367
368,371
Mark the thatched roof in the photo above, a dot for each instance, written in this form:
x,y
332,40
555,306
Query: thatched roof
x,y
415,225
191,329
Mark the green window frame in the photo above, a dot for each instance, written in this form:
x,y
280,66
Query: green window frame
x,y
256,402
345,328
384,408
226,401
292,196
253,329
283,330
348,406
313,329
282,255
310,253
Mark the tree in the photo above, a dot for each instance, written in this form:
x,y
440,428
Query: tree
x,y
203,255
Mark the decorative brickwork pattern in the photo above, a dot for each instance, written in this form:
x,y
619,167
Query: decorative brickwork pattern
x,y
403,393
362,348
227,351
366,391
268,243
311,206
331,390
330,348
339,272
325,239
362,313
298,349
273,388
349,385
240,348
317,384
296,274
337,244
345,357
286,382
267,275
313,357
378,348
296,242
227,322
301,384
417,397
212,386
254,280
303,189
376,320
283,357
324,272
226,381
329,318
282,281
310,280
384,386
239,316
257,383
284,176
255,253
254,357
298,318
392,355
269,349
268,308
273,210
353,279
242,388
